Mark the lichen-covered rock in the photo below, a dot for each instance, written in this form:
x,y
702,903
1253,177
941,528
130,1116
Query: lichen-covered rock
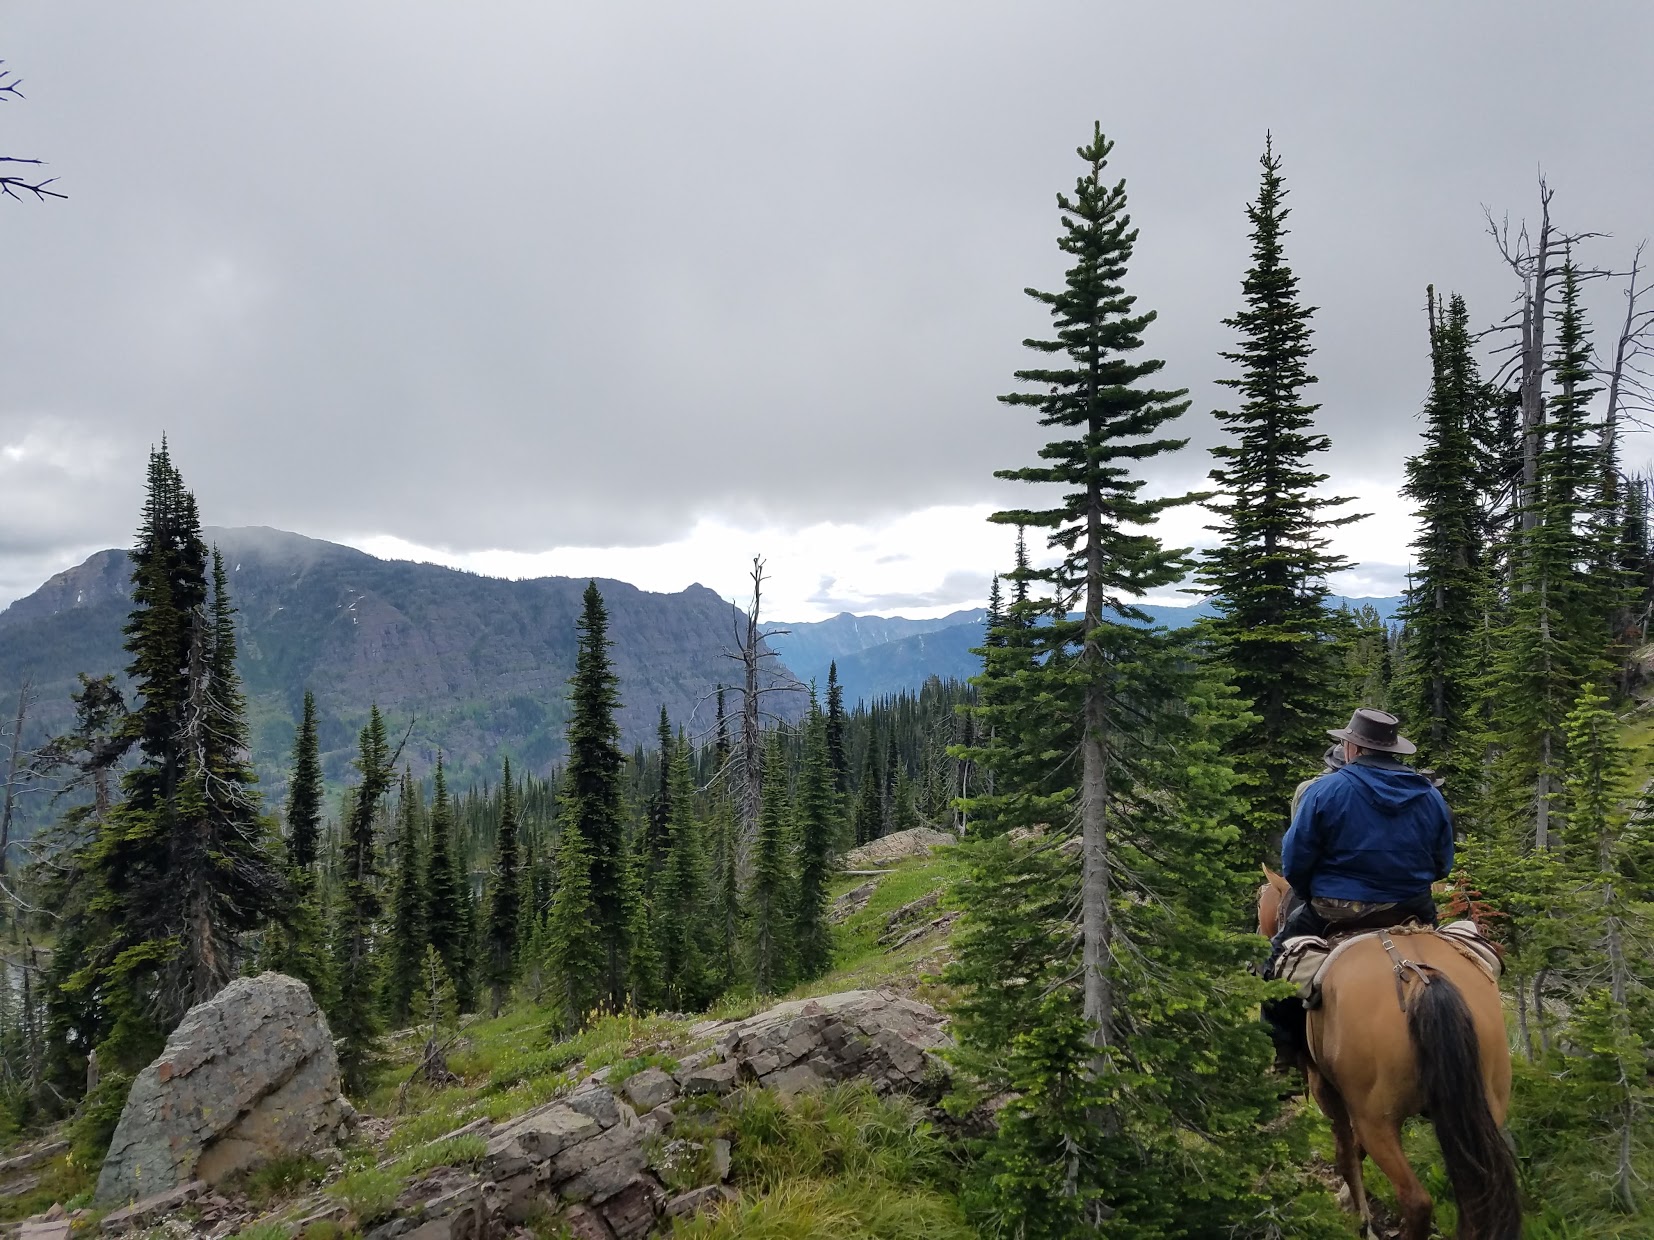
x,y
897,846
248,1076
871,1035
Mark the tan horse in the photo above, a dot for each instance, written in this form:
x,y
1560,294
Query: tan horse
x,y
1432,1043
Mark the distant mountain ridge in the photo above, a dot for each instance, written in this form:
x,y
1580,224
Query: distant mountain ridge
x,y
914,650
478,664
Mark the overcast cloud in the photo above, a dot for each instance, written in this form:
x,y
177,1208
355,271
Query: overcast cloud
x,y
508,284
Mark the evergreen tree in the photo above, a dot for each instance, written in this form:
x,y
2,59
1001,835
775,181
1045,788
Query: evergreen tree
x,y
298,946
76,1016
445,892
1268,575
576,955
660,806
895,770
593,799
869,811
645,965
687,918
1448,593
304,792
408,939
504,896
904,814
817,812
355,1017
181,868
770,891
837,757
1093,392
1613,1024
1151,1032
726,894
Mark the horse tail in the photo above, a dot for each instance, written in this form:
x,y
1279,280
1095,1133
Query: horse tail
x,y
1479,1163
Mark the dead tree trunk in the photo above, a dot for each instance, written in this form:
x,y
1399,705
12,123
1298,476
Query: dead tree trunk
x,y
757,683
1533,362
14,765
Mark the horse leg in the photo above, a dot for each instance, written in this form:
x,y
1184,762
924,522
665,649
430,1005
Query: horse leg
x,y
1347,1150
1383,1142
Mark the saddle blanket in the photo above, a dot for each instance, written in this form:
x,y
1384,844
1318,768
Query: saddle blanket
x,y
1306,958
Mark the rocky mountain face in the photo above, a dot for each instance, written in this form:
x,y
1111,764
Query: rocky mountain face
x,y
478,666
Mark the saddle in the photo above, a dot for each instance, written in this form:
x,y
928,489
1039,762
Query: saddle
x,y
1306,958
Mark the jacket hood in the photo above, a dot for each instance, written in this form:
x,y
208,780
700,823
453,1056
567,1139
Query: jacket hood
x,y
1392,791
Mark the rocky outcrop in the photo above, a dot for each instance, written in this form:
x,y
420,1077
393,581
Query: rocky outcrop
x,y
897,846
247,1076
602,1156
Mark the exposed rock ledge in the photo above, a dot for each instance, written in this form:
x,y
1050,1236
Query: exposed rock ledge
x,y
588,1154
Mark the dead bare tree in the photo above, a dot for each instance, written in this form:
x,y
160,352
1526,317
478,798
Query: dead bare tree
x,y
1536,262
759,680
11,184
14,767
1630,393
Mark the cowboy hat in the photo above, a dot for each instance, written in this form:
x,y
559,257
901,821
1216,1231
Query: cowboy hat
x,y
1376,730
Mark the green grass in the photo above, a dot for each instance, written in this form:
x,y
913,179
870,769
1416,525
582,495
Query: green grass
x,y
860,962
282,1178
369,1193
265,1231
839,1164
461,1151
64,1178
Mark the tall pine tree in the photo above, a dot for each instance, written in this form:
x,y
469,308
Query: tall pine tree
x,y
1134,1022
299,946
1448,596
504,897
408,941
817,814
837,758
355,1016
181,868
687,921
445,894
592,809
1268,574
771,894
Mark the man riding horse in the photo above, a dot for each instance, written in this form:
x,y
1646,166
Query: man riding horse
x,y
1368,837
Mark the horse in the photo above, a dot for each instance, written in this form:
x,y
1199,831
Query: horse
x,y
1420,1036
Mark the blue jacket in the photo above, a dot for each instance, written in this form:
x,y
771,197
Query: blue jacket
x,y
1375,830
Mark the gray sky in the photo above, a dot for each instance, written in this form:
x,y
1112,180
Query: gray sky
x,y
642,290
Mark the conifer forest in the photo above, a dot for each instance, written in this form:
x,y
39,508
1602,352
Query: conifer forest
x,y
1111,787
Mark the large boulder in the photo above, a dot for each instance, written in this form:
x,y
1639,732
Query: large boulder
x,y
246,1077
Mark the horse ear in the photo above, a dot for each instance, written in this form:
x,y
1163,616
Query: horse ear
x,y
1275,880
